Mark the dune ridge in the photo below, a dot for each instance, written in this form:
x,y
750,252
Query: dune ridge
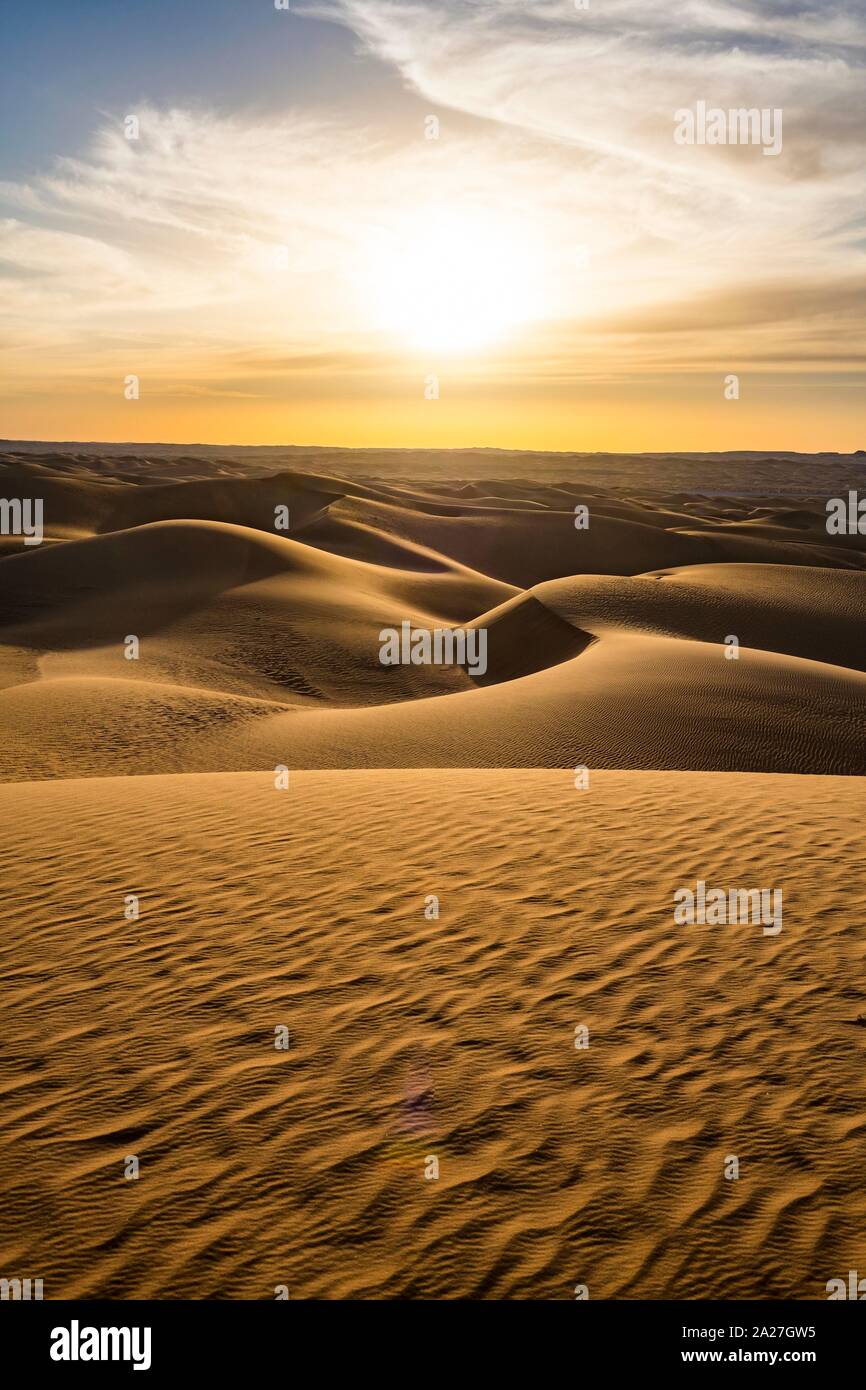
x,y
606,644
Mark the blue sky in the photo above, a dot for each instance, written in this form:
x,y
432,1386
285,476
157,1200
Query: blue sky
x,y
65,64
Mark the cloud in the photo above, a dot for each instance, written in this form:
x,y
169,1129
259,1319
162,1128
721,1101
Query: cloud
x,y
597,89
244,255
211,235
607,80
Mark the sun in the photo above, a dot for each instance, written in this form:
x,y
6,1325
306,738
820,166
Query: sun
x,y
453,281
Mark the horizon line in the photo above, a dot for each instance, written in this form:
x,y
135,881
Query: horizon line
x,y
445,449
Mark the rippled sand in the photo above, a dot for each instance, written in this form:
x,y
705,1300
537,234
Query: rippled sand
x,y
414,1037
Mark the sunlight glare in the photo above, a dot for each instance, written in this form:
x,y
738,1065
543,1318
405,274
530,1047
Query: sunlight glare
x,y
451,281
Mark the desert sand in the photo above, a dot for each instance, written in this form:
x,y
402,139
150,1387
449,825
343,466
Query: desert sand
x,y
304,901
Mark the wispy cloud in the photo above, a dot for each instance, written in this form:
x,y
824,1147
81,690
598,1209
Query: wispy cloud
x,y
603,83
227,254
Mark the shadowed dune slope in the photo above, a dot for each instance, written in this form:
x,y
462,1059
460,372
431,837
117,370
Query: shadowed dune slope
x,y
230,609
526,547
243,502
195,559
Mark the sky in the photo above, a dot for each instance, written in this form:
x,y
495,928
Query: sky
x,y
433,223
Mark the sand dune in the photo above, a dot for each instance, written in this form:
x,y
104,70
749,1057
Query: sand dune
x,y
808,612
227,606
627,702
282,639
415,1036
524,548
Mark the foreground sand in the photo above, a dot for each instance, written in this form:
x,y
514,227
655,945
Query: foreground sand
x,y
413,1037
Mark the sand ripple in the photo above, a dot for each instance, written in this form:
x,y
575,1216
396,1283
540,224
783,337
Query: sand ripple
x,y
413,1037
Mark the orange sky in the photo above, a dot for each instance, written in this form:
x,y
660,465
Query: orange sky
x,y
599,420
